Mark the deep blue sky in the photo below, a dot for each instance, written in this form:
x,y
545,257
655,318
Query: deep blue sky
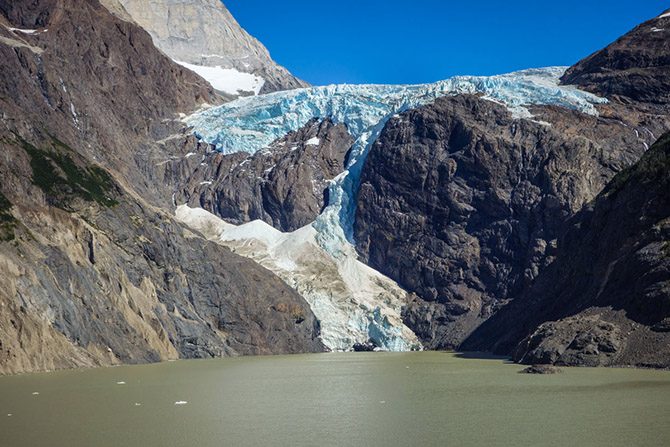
x,y
413,41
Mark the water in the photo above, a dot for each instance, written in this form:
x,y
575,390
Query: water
x,y
356,399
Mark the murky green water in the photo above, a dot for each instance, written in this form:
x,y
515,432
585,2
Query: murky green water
x,y
363,399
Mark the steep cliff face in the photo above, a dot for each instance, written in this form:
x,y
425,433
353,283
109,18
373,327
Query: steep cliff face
x,y
205,34
93,271
461,203
606,298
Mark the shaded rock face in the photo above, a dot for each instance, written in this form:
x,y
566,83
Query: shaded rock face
x,y
635,67
92,270
285,185
607,294
462,204
203,32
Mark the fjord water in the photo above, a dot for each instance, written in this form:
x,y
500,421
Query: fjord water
x,y
357,399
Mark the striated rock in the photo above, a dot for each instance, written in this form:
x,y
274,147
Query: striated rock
x,y
284,185
607,294
204,33
462,204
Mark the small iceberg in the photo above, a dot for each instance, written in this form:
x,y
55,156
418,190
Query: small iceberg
x,y
181,402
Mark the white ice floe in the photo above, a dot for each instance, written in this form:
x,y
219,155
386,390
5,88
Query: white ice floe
x,y
120,383
181,402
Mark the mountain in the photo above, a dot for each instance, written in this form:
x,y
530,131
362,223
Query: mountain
x,y
204,37
605,300
635,67
143,217
463,205
94,268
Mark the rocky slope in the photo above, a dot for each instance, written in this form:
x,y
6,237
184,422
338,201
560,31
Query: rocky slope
x,y
606,298
636,67
461,203
285,185
93,271
204,34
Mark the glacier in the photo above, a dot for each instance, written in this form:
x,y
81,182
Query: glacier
x,y
343,293
251,124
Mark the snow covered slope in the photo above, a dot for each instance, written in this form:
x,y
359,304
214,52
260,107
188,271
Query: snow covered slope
x,y
228,80
344,293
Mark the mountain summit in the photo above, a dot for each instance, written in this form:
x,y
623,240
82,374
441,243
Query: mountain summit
x,y
203,36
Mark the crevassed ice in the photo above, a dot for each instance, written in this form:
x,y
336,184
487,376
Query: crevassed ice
x,y
250,124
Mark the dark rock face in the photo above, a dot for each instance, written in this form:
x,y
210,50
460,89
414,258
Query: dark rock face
x,y
93,269
462,204
285,185
606,298
636,66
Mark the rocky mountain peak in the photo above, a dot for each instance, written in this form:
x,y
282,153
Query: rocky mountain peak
x,y
636,66
203,33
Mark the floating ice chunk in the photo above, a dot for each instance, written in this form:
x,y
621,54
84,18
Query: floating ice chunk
x,y
313,141
137,404
181,402
9,415
121,383
36,393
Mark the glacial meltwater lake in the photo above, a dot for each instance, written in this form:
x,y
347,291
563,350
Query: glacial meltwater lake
x,y
352,399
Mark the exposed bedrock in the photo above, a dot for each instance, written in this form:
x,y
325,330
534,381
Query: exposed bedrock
x,y
462,204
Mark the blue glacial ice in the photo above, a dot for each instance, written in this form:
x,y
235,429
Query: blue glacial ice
x,y
252,123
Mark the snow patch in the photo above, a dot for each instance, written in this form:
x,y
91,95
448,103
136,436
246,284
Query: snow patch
x,y
662,16
24,31
227,80
313,141
657,30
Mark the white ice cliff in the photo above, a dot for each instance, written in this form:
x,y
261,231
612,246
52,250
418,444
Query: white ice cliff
x,y
251,124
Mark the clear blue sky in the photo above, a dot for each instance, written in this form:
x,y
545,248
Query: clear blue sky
x,y
414,41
